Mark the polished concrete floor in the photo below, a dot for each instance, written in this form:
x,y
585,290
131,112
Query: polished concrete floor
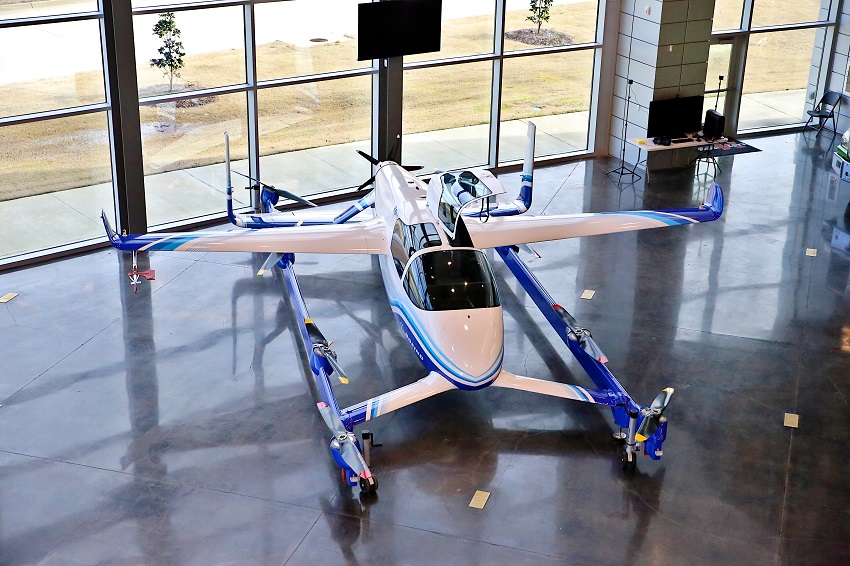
x,y
177,425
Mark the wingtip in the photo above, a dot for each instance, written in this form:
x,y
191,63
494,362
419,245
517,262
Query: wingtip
x,y
114,238
715,200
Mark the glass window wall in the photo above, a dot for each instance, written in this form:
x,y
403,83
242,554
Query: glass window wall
x,y
293,41
446,115
18,9
778,12
212,43
467,29
309,134
59,168
306,131
183,151
553,91
50,67
776,78
568,22
727,14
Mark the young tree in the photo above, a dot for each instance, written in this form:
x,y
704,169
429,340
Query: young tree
x,y
171,49
539,12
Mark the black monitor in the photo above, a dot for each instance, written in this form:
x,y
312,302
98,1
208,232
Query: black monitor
x,y
398,27
675,116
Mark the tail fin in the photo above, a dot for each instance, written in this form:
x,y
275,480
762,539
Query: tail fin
x,y
113,236
229,181
528,168
714,200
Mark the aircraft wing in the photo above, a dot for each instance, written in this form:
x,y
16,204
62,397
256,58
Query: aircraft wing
x,y
361,238
515,230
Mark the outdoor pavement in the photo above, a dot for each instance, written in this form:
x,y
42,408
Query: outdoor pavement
x,y
55,219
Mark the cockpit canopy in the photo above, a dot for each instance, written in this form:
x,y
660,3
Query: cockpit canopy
x,y
407,239
451,279
450,193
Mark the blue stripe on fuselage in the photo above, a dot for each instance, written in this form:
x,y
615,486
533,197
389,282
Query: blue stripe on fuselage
x,y
171,244
435,361
667,219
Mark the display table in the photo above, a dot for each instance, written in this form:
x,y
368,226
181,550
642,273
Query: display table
x,y
686,141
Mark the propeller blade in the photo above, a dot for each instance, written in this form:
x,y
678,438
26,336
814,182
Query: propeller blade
x,y
250,178
530,250
352,456
268,264
591,347
293,196
371,179
662,400
284,193
412,168
330,355
332,419
368,157
647,427
322,348
651,421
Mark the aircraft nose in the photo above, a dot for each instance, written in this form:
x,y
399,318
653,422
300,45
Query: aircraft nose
x,y
474,339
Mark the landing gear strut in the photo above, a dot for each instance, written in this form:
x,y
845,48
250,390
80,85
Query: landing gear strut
x,y
629,455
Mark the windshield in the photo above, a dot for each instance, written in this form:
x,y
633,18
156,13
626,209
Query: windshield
x,y
450,280
409,239
458,190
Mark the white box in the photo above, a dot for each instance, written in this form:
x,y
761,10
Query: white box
x,y
836,163
841,167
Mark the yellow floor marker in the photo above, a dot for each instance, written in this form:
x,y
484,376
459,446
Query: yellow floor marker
x,y
588,294
479,500
8,297
792,420
811,252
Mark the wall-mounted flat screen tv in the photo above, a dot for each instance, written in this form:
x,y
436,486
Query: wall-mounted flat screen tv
x,y
675,116
398,27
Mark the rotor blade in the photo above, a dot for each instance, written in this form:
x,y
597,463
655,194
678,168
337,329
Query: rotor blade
x,y
530,250
293,196
352,456
371,179
268,264
647,427
591,347
331,357
250,178
368,157
662,400
332,419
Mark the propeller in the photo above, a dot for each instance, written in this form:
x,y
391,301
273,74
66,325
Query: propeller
x,y
590,346
281,192
652,415
321,347
268,264
344,441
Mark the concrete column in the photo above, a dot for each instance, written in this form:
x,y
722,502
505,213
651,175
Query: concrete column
x,y
663,49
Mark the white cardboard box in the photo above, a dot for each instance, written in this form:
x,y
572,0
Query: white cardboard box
x,y
841,167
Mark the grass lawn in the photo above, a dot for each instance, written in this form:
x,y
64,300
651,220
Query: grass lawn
x,y
64,153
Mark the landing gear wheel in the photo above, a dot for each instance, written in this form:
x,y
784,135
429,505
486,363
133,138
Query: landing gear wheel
x,y
369,487
628,465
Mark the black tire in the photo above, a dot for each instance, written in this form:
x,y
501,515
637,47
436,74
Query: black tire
x,y
628,466
367,487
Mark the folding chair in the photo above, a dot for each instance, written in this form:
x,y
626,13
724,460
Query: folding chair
x,y
825,110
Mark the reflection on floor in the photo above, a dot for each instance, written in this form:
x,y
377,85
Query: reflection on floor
x,y
176,425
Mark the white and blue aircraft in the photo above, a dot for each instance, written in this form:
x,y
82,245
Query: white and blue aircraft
x,y
429,239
